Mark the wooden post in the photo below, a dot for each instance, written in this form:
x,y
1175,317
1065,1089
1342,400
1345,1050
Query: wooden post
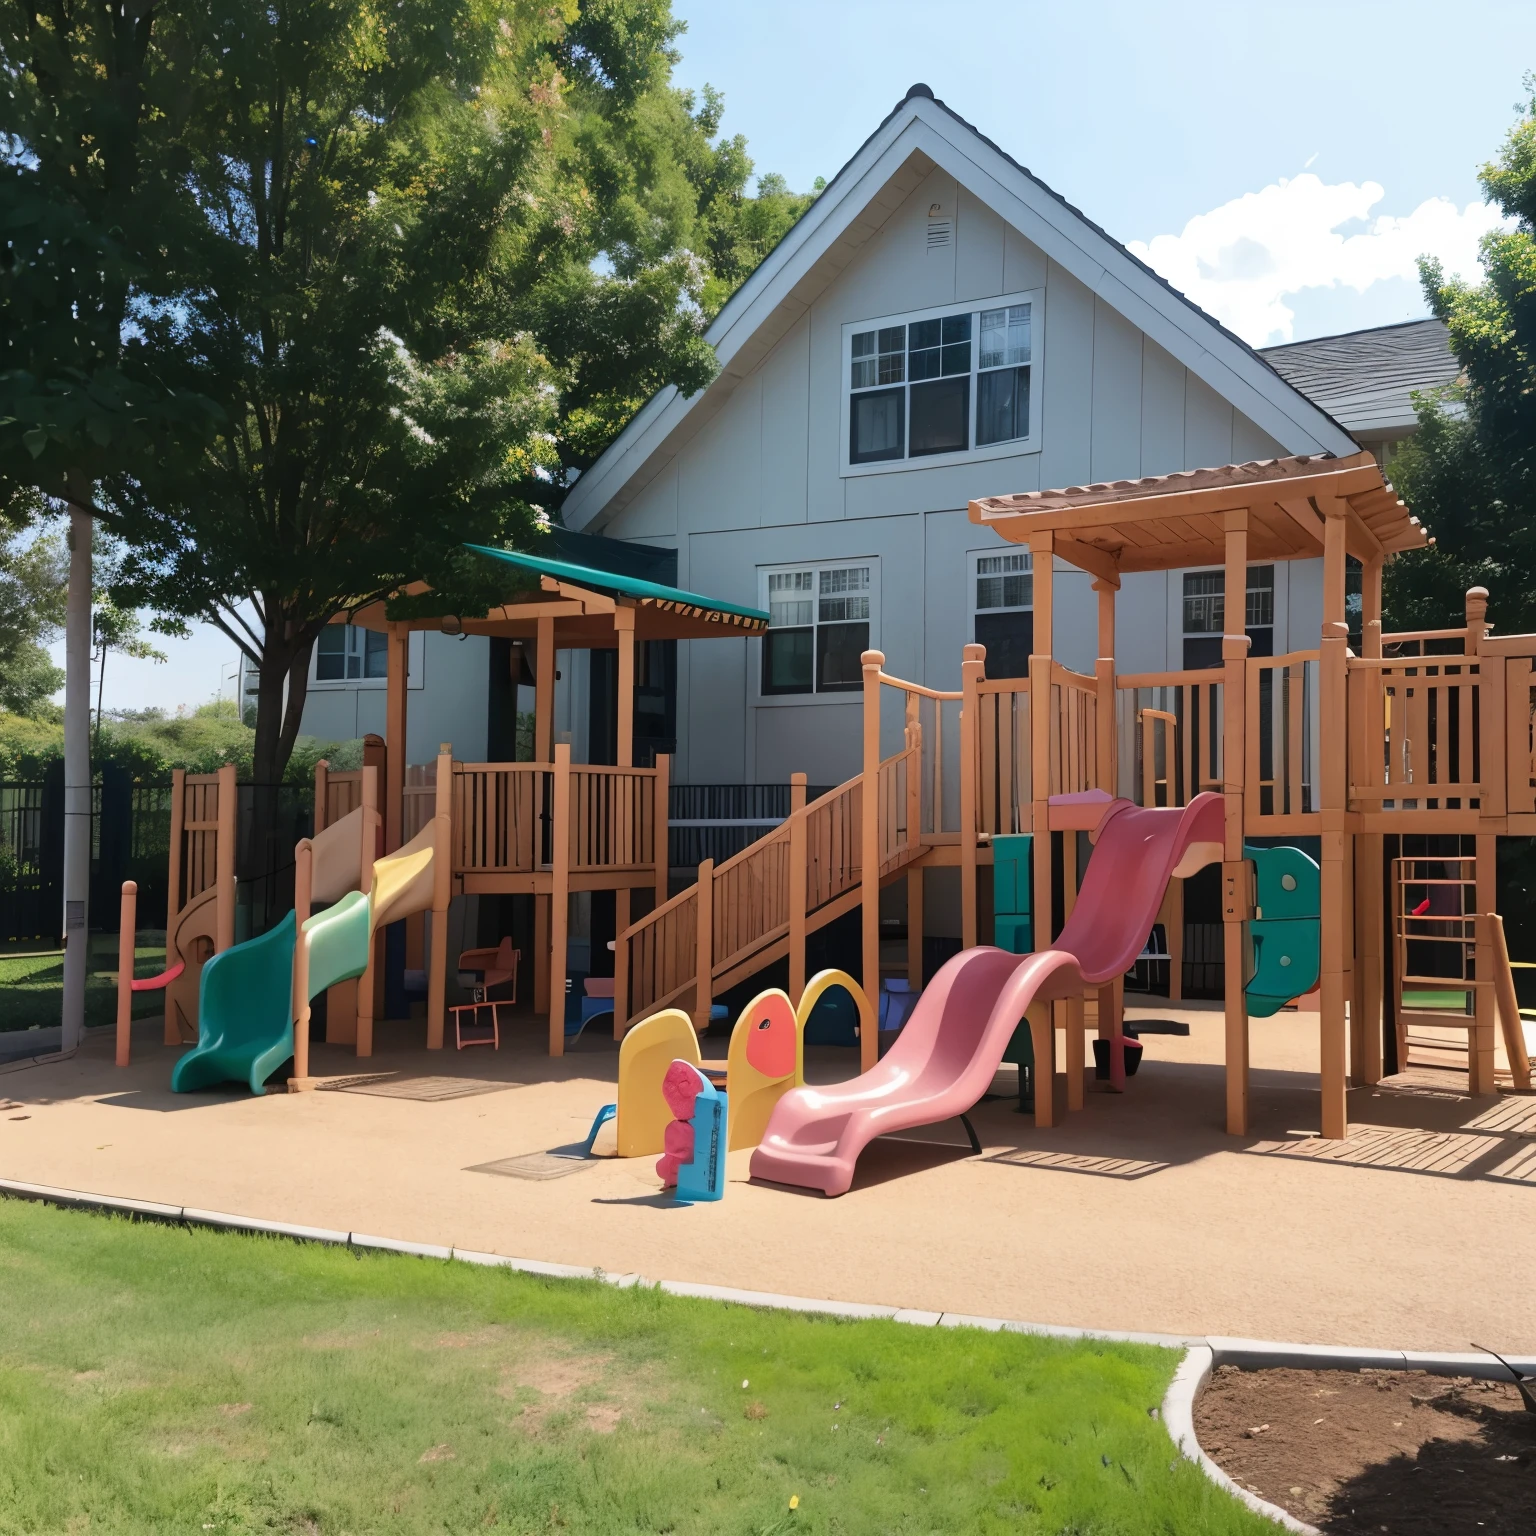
x,y
544,693
1235,882
224,858
559,898
1480,1066
126,929
322,793
442,899
798,873
1107,749
662,812
972,669
1042,549
869,852
624,631
1370,856
1509,1008
367,986
1076,1048
1042,1034
172,1032
303,900
704,947
396,682
541,954
1335,916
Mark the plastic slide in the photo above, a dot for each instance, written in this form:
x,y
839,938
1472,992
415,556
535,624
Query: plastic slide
x,y
246,996
245,1014
943,1061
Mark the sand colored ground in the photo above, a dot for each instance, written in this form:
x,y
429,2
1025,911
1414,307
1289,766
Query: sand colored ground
x,y
1137,1213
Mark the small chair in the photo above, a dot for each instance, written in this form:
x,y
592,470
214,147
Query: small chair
x,y
492,968
473,1010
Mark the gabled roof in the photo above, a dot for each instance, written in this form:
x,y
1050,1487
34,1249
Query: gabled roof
x,y
1366,379
920,134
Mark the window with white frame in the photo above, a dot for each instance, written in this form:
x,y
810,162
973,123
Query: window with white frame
x,y
1003,609
819,618
345,653
1205,615
938,383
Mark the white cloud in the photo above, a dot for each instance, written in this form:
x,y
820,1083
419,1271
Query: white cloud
x,y
1241,261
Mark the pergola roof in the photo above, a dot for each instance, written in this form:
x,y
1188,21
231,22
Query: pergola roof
x,y
1167,521
584,604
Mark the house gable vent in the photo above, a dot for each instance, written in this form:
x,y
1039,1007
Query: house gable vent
x,y
941,234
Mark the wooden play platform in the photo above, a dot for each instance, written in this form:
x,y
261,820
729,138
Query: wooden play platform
x,y
1418,735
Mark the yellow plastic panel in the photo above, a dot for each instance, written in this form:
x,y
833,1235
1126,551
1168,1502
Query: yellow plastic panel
x,y
644,1056
824,981
767,1021
403,882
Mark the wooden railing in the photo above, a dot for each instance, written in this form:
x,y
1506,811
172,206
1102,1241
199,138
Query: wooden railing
x,y
337,795
419,799
1414,737
1005,780
1519,732
1074,732
501,817
612,818
656,959
1183,711
200,827
1281,698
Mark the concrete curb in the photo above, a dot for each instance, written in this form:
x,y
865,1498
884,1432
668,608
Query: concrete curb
x,y
1179,1417
1202,1355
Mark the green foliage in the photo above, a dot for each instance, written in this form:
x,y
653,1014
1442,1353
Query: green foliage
x,y
1470,472
149,743
92,204
32,575
296,1387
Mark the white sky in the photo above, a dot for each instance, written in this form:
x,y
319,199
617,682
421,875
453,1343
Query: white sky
x,y
1282,163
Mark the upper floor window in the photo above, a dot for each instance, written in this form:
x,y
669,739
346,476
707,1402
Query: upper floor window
x,y
819,620
1205,615
942,383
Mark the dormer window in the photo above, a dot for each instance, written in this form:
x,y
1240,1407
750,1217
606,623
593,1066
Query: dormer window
x,y
942,385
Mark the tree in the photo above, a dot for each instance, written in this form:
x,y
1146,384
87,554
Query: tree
x,y
391,295
1470,472
32,572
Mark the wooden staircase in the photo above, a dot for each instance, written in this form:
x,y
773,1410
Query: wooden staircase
x,y
822,862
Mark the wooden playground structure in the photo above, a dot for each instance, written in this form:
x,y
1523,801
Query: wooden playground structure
x,y
1422,734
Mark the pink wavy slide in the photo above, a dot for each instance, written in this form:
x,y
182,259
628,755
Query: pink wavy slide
x,y
944,1060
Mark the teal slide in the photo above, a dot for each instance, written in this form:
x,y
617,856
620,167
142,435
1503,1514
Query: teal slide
x,y
244,1013
245,1000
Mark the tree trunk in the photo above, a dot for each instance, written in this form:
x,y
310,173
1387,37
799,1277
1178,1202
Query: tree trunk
x,y
77,777
266,844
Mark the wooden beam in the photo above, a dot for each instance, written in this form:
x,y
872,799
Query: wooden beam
x,y
1301,512
1234,660
624,630
1089,557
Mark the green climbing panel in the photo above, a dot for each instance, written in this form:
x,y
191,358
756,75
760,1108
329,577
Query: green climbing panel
x,y
1285,936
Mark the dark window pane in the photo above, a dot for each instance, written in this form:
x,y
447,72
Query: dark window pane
x,y
1008,638
838,649
1261,641
1002,405
941,416
957,359
956,328
787,661
925,363
330,654
875,426
375,654
925,333
1201,652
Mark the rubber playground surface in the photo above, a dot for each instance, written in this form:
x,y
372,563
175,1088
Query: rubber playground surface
x,y
1136,1213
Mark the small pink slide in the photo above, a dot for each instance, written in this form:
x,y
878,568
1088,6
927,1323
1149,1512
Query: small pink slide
x,y
945,1057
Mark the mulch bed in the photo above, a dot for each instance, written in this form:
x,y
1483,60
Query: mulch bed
x,y
1372,1451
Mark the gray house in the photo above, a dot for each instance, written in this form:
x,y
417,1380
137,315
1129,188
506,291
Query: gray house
x,y
939,326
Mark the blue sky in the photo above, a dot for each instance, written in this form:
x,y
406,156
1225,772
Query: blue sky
x,y
1281,163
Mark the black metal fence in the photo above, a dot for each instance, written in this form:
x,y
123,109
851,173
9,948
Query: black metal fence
x,y
715,821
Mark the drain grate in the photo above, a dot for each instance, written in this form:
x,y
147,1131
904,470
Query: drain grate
x,y
427,1090
536,1165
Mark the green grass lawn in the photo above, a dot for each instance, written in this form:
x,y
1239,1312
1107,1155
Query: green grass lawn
x,y
32,983
160,1379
